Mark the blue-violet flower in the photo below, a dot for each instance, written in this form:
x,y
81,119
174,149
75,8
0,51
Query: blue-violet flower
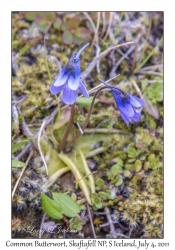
x,y
69,80
128,105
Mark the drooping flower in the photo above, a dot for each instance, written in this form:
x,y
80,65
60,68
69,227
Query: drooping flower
x,y
128,105
69,80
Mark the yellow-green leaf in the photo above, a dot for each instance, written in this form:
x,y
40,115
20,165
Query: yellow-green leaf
x,y
51,207
119,182
127,173
85,101
77,175
17,146
69,206
17,164
138,165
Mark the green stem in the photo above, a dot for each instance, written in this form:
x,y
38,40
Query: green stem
x,y
118,26
47,65
148,57
147,37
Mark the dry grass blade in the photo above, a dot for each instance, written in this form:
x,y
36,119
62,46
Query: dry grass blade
x,y
26,131
91,221
79,127
104,23
100,56
40,231
113,71
109,26
96,31
158,66
111,225
98,61
53,137
22,172
38,144
135,53
24,151
150,73
93,26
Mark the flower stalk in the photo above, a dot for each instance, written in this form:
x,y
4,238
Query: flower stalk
x,y
87,118
68,130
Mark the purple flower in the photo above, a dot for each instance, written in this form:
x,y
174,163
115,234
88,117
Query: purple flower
x,y
128,105
69,80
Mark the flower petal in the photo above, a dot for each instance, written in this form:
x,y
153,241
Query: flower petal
x,y
56,89
83,89
116,91
80,50
69,96
124,118
123,105
73,83
136,117
74,79
62,78
136,102
77,69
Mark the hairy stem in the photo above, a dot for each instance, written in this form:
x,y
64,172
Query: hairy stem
x,y
68,127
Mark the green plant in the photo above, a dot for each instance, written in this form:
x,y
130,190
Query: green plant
x,y
99,184
132,154
96,201
76,224
154,162
73,32
44,20
18,164
154,93
59,205
114,175
15,147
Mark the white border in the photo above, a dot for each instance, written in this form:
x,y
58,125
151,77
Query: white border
x,y
5,78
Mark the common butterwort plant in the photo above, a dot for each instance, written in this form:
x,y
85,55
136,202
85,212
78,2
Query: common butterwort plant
x,y
69,80
128,105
